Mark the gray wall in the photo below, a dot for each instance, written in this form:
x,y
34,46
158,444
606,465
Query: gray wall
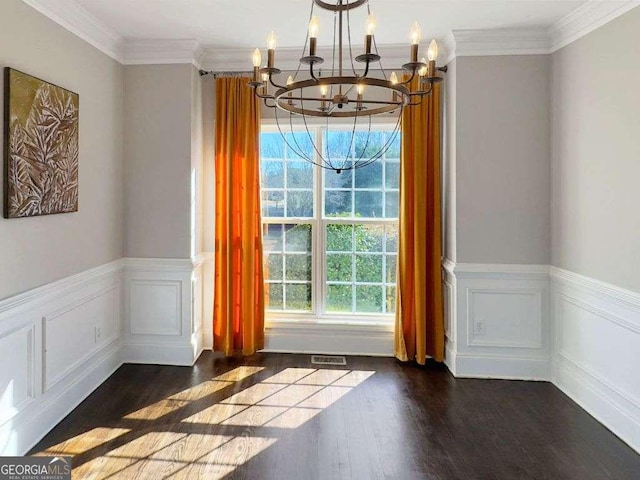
x,y
208,164
197,144
596,154
502,159
449,163
39,250
157,152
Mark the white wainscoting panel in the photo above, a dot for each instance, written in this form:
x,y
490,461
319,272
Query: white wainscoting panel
x,y
17,371
58,343
596,356
497,321
207,300
450,302
159,313
327,338
508,317
155,307
197,305
74,333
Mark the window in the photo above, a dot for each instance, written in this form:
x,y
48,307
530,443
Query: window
x,y
330,240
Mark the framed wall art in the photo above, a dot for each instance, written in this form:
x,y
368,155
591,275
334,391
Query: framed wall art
x,y
40,147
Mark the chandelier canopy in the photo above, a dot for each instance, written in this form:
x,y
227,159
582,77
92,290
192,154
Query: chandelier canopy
x,y
341,92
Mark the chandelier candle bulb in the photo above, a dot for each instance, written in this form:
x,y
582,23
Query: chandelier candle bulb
x,y
290,94
416,36
265,82
271,49
370,29
360,90
394,81
257,60
314,29
323,94
432,55
423,70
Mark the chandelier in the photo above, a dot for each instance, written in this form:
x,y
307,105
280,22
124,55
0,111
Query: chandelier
x,y
341,92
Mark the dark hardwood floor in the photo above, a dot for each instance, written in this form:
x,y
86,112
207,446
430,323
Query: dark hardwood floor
x,y
271,416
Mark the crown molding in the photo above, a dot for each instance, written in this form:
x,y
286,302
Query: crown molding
x,y
287,59
522,41
585,19
162,52
77,20
527,41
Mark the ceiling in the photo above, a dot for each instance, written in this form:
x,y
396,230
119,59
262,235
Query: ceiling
x,y
245,23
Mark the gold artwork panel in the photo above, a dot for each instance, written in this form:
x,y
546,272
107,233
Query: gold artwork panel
x,y
41,147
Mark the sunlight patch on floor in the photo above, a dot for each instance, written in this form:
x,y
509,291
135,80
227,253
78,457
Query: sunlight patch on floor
x,y
238,374
215,414
175,456
86,441
184,397
284,401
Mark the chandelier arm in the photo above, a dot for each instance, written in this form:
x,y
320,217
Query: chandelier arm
x,y
407,82
313,75
366,70
266,104
274,83
263,96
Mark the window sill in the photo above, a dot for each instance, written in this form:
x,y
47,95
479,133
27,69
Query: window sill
x,y
383,324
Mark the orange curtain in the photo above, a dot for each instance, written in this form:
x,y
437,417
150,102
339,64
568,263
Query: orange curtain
x,y
419,313
238,318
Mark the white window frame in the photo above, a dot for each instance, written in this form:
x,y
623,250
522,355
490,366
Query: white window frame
x,y
319,242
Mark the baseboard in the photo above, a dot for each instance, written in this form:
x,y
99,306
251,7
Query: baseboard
x,y
296,337
506,368
207,339
159,354
614,411
450,356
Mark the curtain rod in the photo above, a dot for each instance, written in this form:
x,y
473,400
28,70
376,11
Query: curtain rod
x,y
224,74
